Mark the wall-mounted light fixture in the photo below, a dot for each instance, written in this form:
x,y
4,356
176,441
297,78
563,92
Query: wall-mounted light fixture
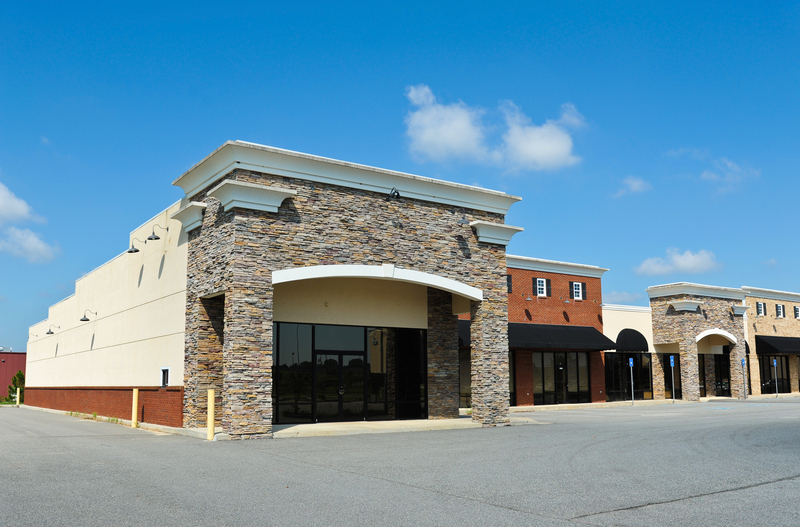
x,y
529,298
134,249
393,194
463,220
153,236
84,318
50,329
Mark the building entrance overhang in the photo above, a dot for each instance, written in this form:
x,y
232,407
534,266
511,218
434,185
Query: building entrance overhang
x,y
379,272
715,331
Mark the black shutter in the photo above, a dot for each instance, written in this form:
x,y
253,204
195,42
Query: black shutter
x,y
583,290
572,289
508,282
548,288
535,286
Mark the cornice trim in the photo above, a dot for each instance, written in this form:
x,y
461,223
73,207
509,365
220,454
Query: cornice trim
x,y
552,266
497,233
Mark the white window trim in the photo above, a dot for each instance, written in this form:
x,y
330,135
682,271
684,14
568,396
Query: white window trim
x,y
577,291
761,309
164,368
541,287
796,311
781,309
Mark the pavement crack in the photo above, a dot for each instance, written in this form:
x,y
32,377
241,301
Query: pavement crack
x,y
685,498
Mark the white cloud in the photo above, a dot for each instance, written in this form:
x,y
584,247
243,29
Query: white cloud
x,y
676,261
13,208
724,173
27,244
45,141
531,147
772,262
440,132
615,297
633,185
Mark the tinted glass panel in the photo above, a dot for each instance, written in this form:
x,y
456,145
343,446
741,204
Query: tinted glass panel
x,y
338,338
583,371
537,374
572,372
327,369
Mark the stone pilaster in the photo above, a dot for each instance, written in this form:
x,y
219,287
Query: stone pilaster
x,y
489,336
690,374
657,365
442,356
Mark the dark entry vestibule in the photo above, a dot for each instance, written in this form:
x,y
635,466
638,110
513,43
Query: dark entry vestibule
x,y
348,373
618,376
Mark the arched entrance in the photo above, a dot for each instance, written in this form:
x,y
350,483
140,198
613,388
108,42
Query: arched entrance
x,y
714,362
360,342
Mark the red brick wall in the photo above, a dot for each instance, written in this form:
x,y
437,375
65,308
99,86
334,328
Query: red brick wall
x,y
524,377
161,406
553,310
10,364
597,376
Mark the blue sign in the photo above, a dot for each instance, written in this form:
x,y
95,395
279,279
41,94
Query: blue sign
x,y
742,363
672,361
775,362
630,362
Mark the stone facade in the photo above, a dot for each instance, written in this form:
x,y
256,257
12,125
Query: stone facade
x,y
235,253
443,374
771,325
682,327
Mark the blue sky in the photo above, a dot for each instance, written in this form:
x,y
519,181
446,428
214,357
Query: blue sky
x,y
660,141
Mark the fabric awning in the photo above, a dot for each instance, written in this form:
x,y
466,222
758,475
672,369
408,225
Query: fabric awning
x,y
549,336
631,341
773,345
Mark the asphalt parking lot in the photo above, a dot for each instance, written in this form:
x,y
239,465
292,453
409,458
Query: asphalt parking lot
x,y
713,463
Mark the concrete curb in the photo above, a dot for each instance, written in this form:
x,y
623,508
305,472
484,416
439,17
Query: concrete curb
x,y
198,433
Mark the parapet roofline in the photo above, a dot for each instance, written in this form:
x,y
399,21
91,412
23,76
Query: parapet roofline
x,y
552,266
772,294
688,288
287,163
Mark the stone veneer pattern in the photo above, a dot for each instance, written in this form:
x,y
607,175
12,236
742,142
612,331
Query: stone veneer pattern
x,y
236,252
671,326
443,374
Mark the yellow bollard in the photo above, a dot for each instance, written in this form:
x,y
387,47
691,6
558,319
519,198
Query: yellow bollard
x,y
17,396
134,410
210,417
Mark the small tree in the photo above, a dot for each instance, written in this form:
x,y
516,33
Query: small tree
x,y
17,381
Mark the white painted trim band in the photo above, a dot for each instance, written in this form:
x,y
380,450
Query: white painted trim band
x,y
379,272
716,331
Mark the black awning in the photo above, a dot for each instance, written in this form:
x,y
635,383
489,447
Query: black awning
x,y
548,336
773,345
463,334
630,340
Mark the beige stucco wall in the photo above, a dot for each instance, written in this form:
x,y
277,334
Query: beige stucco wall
x,y
352,301
616,318
140,300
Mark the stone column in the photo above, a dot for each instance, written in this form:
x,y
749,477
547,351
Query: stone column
x,y
489,357
794,373
690,373
247,355
711,377
737,376
657,365
442,356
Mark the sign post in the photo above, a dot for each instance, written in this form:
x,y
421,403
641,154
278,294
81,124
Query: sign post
x,y
775,372
744,380
630,363
672,368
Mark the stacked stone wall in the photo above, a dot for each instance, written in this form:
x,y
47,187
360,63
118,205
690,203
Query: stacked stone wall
x,y
682,327
237,251
443,374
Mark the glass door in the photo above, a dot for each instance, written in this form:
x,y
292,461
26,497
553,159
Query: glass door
x,y
562,381
722,374
340,387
